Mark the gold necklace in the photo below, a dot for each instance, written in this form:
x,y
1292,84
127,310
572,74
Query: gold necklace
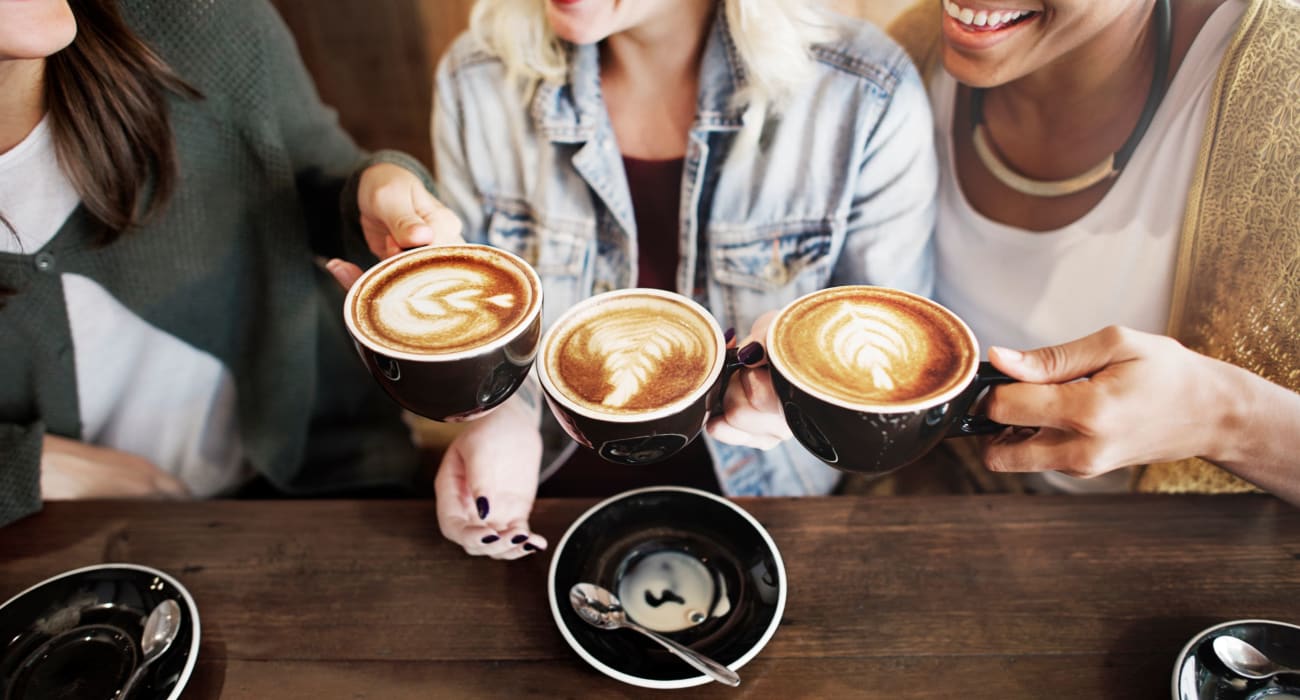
x,y
1109,167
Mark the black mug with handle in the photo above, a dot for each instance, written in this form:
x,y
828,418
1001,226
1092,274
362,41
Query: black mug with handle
x,y
871,379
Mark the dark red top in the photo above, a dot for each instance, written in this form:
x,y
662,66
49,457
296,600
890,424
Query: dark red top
x,y
656,190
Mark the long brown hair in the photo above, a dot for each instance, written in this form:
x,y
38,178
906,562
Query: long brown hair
x,y
107,99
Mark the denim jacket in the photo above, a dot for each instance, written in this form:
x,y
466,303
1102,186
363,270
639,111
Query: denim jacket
x,y
839,189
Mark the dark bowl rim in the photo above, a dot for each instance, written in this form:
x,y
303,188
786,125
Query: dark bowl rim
x,y
1200,637
190,607
648,682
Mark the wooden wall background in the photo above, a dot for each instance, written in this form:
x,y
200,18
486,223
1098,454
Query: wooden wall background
x,y
373,59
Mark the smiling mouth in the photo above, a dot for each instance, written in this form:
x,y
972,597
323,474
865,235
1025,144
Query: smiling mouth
x,y
984,20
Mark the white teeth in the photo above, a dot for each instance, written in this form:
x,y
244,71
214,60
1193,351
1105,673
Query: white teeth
x,y
981,18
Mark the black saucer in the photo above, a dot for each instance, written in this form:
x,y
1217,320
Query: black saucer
x,y
77,636
1199,675
611,538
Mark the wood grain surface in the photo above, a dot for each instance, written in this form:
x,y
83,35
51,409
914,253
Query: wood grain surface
x,y
925,597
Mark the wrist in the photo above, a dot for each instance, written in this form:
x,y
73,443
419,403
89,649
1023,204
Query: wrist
x,y
1230,412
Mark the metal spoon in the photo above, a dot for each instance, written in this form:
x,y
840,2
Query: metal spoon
x,y
1245,660
602,609
159,632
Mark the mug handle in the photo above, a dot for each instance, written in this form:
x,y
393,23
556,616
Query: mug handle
x,y
730,365
971,424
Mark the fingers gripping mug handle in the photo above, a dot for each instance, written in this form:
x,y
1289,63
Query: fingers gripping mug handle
x,y
972,424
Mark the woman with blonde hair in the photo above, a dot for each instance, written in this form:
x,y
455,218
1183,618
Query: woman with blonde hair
x,y
739,152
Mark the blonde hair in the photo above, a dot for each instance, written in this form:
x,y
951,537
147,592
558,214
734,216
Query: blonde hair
x,y
772,37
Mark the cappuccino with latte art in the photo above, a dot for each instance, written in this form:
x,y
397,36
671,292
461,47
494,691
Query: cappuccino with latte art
x,y
443,301
872,378
873,346
632,353
634,374
449,332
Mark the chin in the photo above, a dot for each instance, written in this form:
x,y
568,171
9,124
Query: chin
x,y
24,40
579,26
975,73
578,35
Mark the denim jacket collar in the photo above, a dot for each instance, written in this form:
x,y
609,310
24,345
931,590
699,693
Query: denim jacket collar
x,y
574,111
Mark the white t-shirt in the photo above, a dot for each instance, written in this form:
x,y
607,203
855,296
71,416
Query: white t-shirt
x,y
139,389
1115,265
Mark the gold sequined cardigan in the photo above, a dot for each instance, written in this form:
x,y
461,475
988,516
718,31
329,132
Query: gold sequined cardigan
x,y
1236,290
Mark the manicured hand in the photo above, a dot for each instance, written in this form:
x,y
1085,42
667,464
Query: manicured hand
x,y
751,411
1113,399
397,213
75,470
487,482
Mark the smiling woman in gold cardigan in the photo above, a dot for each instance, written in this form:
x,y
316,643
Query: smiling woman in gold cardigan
x,y
1236,277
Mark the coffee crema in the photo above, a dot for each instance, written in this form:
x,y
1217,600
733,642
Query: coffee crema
x,y
630,354
872,346
444,301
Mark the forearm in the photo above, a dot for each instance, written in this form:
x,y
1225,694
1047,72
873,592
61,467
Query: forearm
x,y
1258,431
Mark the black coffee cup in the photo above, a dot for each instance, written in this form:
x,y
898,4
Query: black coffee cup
x,y
877,434
471,378
691,341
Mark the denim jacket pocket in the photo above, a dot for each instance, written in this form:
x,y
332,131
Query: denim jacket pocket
x,y
557,249
771,257
760,268
553,246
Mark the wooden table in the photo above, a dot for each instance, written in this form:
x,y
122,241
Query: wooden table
x,y
918,597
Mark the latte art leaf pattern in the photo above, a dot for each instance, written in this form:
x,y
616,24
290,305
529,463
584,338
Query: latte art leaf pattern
x,y
635,354
448,296
866,341
445,304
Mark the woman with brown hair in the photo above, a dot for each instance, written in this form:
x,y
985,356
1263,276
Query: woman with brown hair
x,y
167,173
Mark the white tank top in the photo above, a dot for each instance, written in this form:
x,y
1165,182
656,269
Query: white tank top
x,y
1115,265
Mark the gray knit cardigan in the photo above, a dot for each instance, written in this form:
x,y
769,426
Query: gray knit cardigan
x,y
227,267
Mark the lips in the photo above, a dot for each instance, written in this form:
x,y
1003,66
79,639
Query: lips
x,y
970,29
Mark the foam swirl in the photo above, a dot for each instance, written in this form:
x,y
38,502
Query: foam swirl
x,y
441,301
872,346
865,340
635,353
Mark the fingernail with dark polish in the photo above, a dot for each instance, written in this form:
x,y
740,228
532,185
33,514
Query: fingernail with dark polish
x,y
518,538
482,504
730,335
530,547
750,354
489,539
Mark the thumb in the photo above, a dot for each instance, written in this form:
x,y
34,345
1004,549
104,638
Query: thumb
x,y
1057,364
409,230
444,227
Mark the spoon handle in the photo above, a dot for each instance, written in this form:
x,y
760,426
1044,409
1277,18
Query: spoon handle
x,y
704,664
131,682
